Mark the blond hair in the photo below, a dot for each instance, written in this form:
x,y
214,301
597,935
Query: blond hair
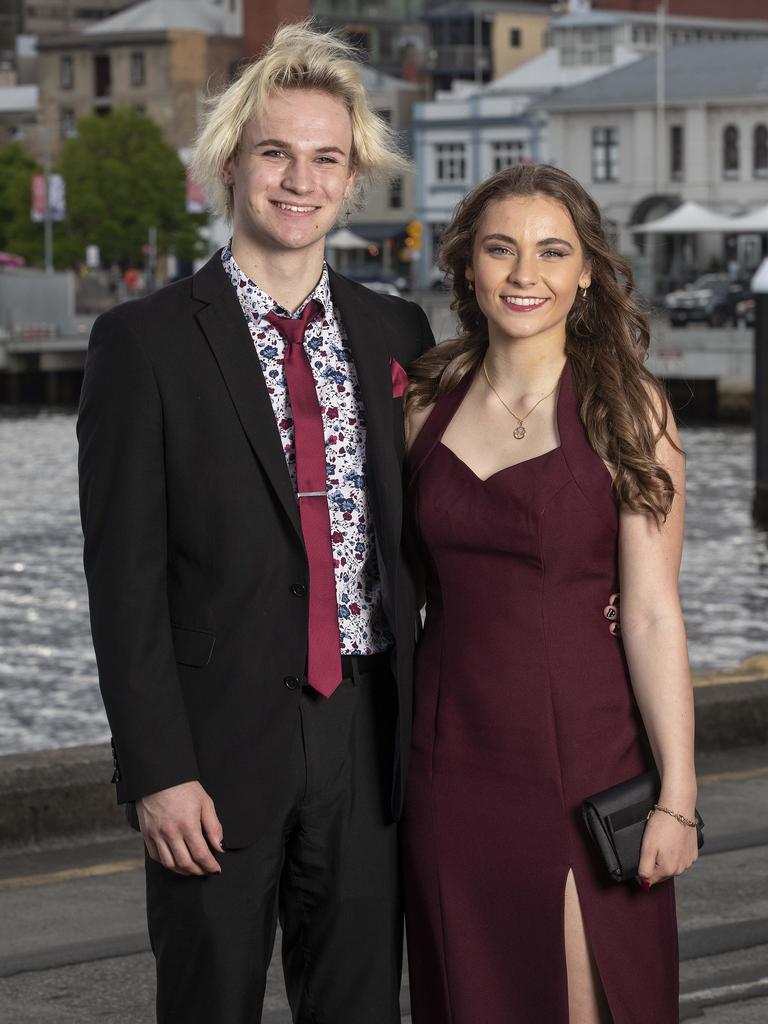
x,y
299,57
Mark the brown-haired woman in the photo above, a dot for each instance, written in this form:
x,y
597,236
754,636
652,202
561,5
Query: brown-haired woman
x,y
544,467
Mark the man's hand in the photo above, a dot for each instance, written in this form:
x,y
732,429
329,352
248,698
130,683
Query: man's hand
x,y
611,612
178,824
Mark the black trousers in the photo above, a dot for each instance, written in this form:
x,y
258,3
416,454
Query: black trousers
x,y
328,869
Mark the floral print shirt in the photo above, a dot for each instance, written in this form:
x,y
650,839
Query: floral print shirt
x,y
362,626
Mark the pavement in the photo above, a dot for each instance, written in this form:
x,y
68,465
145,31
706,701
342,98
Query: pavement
x,y
74,948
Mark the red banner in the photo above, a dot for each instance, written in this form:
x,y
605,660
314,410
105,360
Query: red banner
x,y
39,201
196,200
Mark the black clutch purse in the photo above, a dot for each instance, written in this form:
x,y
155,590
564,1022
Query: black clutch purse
x,y
616,821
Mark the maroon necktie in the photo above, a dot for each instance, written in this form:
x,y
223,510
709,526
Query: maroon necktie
x,y
323,655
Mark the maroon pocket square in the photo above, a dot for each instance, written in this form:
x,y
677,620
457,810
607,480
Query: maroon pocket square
x,y
399,378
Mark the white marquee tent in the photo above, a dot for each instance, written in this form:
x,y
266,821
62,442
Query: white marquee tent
x,y
688,219
693,219
756,221
346,239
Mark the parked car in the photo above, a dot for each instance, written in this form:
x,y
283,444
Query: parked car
x,y
439,281
745,312
710,299
375,278
384,287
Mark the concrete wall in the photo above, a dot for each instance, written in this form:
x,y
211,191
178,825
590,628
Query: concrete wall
x,y
34,297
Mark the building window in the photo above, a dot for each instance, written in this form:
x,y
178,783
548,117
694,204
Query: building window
x,y
102,76
760,151
605,154
67,124
506,154
436,231
451,162
611,228
730,151
396,194
676,152
360,38
67,73
138,68
515,37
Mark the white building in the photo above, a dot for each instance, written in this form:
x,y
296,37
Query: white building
x,y
463,136
707,141
591,37
18,111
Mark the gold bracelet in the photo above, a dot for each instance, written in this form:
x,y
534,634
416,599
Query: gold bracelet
x,y
678,817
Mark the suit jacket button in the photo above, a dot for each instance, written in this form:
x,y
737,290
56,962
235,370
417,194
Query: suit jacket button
x,y
292,682
298,590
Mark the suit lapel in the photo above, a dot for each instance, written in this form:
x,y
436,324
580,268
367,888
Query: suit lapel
x,y
366,333
221,320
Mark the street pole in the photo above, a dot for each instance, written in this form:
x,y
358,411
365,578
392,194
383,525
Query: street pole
x,y
760,291
48,219
477,49
150,261
661,97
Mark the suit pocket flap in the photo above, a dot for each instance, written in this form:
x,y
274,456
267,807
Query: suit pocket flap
x,y
192,646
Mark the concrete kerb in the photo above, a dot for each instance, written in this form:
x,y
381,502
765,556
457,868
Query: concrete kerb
x,y
64,794
57,794
732,706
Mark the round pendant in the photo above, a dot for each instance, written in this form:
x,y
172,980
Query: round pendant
x,y
519,432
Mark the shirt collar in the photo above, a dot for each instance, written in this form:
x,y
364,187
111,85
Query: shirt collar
x,y
257,303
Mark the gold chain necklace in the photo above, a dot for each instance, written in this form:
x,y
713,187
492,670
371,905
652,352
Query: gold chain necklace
x,y
519,432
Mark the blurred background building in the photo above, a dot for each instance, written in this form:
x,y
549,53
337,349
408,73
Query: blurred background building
x,y
156,57
469,87
471,130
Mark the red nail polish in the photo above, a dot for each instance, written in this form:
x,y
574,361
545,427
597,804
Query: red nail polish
x,y
646,885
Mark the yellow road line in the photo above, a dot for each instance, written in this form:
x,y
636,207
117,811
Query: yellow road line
x,y
738,776
117,867
753,670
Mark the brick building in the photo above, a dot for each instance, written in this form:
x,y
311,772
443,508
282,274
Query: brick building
x,y
262,17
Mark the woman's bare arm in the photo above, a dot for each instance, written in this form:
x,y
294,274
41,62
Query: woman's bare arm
x,y
654,639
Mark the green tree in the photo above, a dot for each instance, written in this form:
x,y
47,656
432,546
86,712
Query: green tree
x,y
18,233
123,178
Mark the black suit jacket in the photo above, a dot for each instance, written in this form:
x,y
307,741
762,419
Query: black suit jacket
x,y
193,539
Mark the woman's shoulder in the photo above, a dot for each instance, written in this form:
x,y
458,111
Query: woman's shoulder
x,y
414,421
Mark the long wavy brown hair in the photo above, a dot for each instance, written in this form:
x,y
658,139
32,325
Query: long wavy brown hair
x,y
622,405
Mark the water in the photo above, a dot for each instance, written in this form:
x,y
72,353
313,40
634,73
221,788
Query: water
x,y
47,670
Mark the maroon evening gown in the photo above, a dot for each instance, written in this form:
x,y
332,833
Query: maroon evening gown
x,y
523,708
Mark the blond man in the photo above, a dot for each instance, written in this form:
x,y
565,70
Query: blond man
x,y
253,617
